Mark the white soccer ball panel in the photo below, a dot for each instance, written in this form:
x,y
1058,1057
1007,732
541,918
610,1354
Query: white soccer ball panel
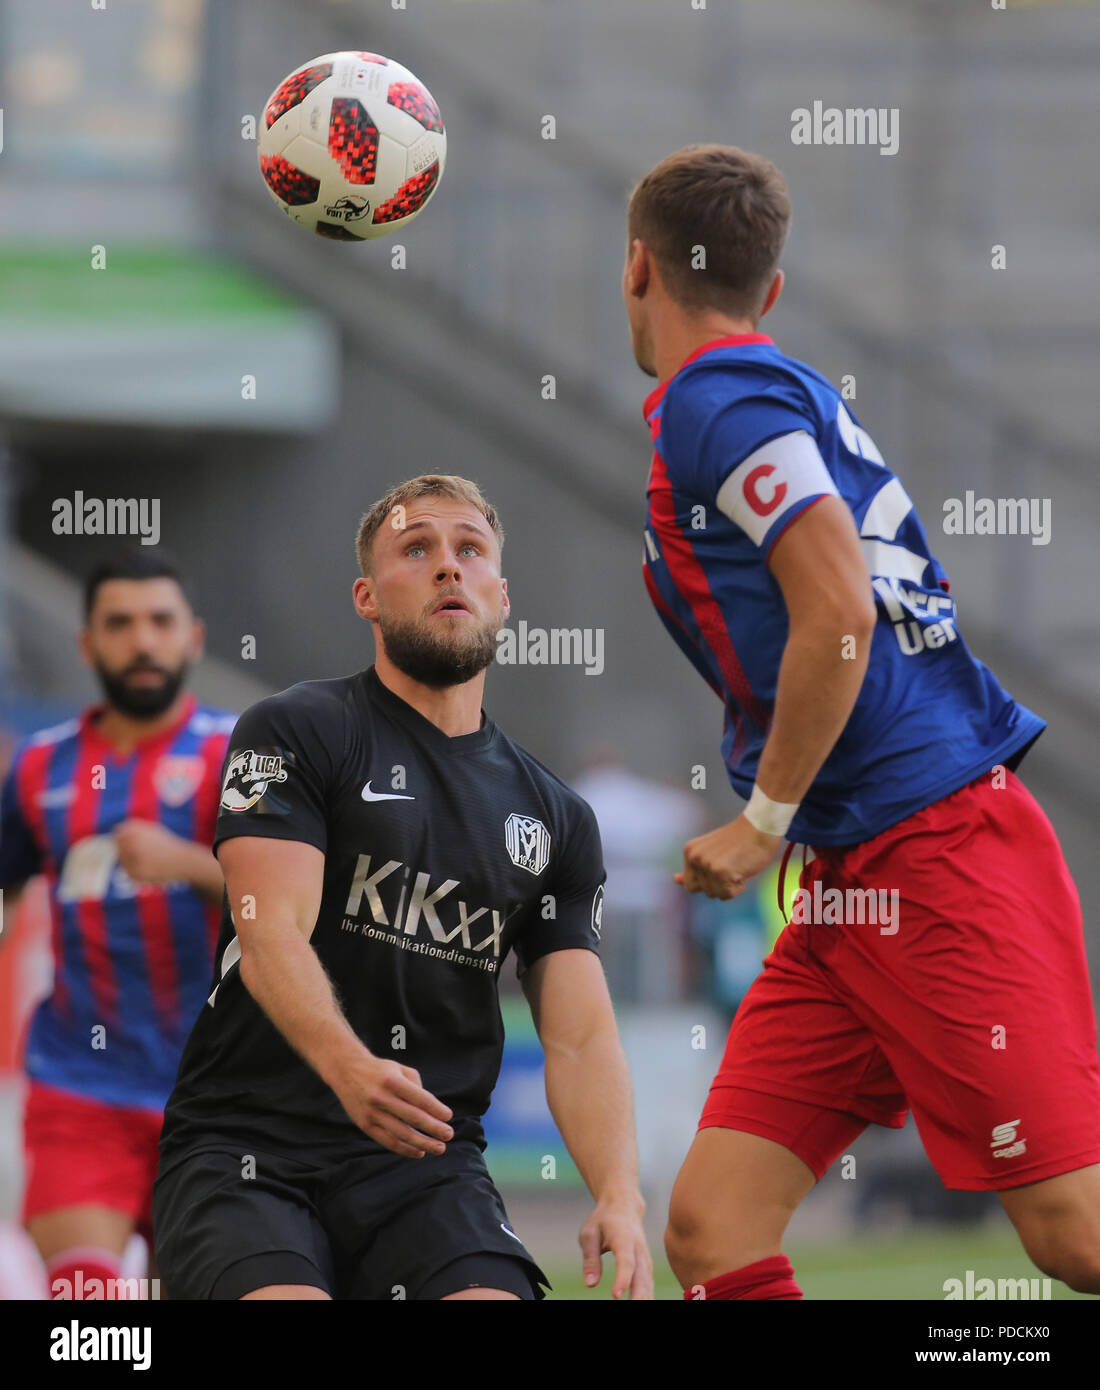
x,y
276,139
425,151
308,156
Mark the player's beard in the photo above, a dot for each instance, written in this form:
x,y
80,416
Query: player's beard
x,y
437,658
143,701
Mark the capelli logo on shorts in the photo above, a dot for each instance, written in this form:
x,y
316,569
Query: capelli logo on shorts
x,y
1004,1142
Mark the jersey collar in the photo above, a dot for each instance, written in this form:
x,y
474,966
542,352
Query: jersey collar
x,y
89,728
653,400
416,723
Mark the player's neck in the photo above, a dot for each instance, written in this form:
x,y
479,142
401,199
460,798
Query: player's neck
x,y
680,337
455,710
124,733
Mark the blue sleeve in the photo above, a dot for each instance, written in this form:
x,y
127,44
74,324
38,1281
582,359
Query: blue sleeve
x,y
753,456
20,857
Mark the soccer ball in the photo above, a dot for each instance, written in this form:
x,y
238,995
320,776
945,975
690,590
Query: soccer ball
x,y
351,146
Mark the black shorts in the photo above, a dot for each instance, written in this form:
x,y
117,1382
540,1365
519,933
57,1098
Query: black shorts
x,y
371,1226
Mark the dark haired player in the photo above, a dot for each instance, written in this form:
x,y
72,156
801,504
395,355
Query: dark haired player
x,y
788,563
117,809
385,847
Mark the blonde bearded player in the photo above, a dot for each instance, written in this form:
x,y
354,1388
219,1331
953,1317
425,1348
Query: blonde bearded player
x,y
353,1033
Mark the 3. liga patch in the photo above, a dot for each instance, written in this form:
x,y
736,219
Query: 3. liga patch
x,y
528,842
248,776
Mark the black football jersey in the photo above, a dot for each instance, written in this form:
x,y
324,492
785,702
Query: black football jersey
x,y
442,855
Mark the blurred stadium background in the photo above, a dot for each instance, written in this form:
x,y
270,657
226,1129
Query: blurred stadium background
x,y
122,129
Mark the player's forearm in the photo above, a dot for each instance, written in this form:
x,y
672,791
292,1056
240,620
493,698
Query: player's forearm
x,y
588,1091
822,670
281,971
203,871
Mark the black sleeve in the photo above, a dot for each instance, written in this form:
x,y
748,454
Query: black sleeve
x,y
281,769
569,913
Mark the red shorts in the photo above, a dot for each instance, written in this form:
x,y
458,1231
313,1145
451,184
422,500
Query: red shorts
x,y
80,1151
972,1006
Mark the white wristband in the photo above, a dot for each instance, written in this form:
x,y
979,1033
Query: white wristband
x,y
768,816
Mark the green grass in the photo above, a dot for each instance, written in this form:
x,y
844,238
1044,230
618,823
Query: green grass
x,y
864,1267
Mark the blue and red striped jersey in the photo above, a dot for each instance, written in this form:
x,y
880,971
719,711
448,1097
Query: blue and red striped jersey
x,y
132,962
745,441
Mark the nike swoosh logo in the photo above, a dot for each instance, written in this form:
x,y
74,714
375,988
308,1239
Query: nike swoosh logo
x,y
368,795
507,1232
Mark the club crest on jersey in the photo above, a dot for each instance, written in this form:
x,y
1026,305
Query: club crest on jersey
x,y
248,776
178,778
528,842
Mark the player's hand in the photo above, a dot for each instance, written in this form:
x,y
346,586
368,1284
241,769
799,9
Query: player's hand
x,y
721,862
615,1227
151,853
388,1103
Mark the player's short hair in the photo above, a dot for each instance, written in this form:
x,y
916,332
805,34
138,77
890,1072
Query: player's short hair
x,y
134,562
427,485
734,205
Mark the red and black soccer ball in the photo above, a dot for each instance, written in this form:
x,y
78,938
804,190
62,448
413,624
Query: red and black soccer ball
x,y
351,146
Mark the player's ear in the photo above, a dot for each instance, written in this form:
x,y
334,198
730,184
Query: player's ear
x,y
198,639
504,596
638,267
84,646
774,291
362,594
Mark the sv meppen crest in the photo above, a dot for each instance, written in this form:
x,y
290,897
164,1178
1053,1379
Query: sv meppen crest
x,y
528,842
